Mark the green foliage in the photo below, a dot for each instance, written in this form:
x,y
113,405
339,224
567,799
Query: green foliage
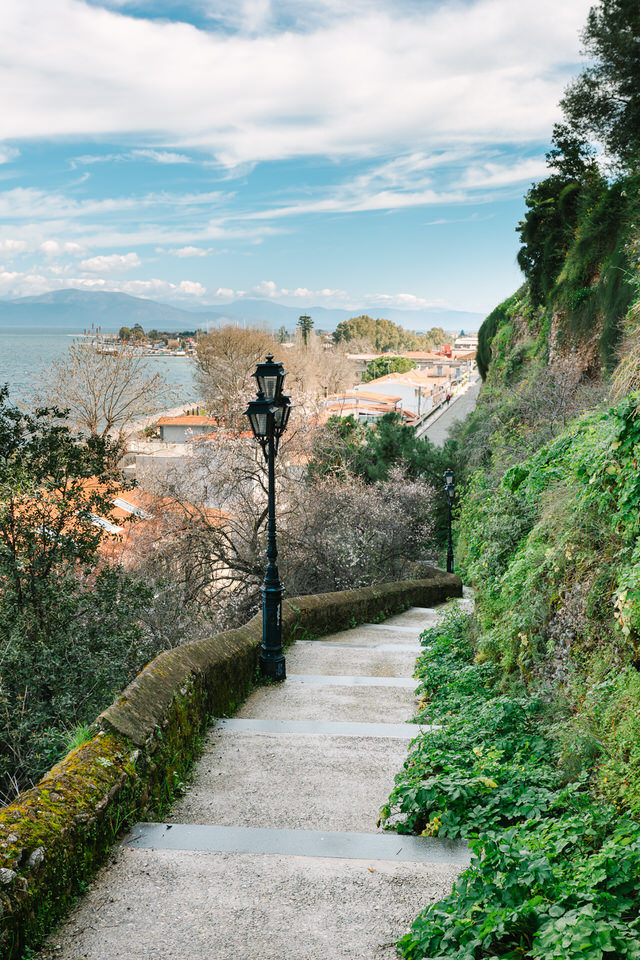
x,y
547,232
70,637
594,288
386,336
59,680
603,102
554,873
384,365
305,324
551,547
52,487
499,316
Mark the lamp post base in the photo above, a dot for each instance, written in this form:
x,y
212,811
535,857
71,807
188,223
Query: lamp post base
x,y
271,656
273,668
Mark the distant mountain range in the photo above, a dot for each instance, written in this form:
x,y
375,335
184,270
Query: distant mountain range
x,y
77,310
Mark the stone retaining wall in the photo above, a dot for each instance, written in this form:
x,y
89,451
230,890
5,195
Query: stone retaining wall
x,y
54,836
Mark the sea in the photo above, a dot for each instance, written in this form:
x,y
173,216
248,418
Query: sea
x,y
24,354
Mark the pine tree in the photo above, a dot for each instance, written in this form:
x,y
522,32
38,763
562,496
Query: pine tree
x,y
306,325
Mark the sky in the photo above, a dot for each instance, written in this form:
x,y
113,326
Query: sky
x,y
355,154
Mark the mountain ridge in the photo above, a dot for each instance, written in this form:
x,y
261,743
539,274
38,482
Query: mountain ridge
x,y
110,310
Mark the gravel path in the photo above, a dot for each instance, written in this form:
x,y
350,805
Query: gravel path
x,y
206,903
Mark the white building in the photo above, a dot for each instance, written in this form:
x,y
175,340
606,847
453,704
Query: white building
x,y
186,427
418,391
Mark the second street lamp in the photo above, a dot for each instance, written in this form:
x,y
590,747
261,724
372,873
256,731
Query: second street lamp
x,y
450,490
268,416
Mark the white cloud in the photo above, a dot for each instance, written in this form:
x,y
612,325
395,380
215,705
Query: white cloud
x,y
7,153
145,288
161,156
54,248
113,263
268,289
492,175
51,248
21,284
12,248
188,252
407,301
373,78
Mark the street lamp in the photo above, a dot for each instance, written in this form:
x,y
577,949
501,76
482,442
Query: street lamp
x,y
268,415
450,490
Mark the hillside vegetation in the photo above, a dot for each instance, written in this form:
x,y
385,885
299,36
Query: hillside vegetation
x,y
539,692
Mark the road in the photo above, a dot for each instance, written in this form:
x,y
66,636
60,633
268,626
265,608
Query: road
x,y
458,409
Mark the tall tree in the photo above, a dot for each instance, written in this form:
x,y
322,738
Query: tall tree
x,y
603,103
316,369
52,486
305,324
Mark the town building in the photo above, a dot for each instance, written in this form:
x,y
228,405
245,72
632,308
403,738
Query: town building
x,y
468,341
186,427
366,407
418,391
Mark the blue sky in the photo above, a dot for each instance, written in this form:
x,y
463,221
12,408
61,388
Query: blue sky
x,y
316,152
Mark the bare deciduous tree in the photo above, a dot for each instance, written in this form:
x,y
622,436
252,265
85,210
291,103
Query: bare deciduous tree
x,y
103,391
319,368
333,534
225,360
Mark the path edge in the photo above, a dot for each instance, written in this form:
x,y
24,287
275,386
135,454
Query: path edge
x,y
55,836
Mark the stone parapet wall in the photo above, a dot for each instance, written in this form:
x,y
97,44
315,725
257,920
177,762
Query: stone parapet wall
x,y
54,836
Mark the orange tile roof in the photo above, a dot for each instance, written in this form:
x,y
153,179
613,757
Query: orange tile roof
x,y
411,377
365,395
187,420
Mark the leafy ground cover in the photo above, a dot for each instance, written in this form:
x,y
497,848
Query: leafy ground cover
x,y
555,872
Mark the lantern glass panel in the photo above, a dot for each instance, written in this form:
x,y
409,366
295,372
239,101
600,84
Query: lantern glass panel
x,y
259,423
448,477
270,377
281,415
268,385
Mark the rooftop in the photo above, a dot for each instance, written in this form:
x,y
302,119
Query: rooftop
x,y
187,420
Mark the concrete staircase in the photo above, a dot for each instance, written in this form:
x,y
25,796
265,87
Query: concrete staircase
x,y
274,853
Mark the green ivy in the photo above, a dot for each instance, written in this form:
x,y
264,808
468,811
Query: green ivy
x,y
554,873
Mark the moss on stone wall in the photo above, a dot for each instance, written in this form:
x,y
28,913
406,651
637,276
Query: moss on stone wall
x,y
53,838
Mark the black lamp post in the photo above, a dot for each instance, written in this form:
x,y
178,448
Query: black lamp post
x,y
450,490
268,415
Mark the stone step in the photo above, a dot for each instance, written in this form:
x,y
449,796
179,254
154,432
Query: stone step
x,y
335,680
248,778
324,728
354,660
273,850
168,904
370,635
297,843
333,698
